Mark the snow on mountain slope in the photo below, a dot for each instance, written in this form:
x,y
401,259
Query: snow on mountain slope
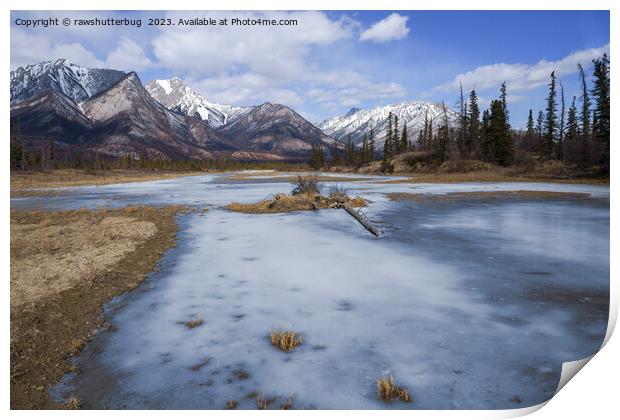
x,y
174,94
76,82
358,121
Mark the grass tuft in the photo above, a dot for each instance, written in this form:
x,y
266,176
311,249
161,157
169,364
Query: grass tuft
x,y
193,323
308,185
285,341
287,404
73,403
231,404
388,391
262,403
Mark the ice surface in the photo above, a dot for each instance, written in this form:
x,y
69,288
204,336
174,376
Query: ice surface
x,y
469,304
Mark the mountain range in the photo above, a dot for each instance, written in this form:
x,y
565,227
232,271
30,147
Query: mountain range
x,y
358,122
110,112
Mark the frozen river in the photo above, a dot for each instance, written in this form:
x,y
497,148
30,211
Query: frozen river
x,y
473,303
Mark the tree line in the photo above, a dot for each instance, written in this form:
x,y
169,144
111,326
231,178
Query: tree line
x,y
576,133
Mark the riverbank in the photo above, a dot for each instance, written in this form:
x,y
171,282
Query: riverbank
x,y
65,266
22,181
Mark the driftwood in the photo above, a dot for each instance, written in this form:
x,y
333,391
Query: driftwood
x,y
360,217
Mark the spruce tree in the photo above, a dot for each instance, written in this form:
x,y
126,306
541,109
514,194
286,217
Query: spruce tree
x,y
485,144
371,144
584,117
430,137
423,138
404,139
473,129
499,138
503,95
461,139
395,144
388,139
561,127
530,131
336,158
539,126
442,142
364,152
550,120
601,113
572,131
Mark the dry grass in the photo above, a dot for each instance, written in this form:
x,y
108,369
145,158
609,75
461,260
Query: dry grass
x,y
231,404
75,177
283,203
287,404
488,176
73,403
285,341
481,195
193,323
262,403
64,266
387,390
239,375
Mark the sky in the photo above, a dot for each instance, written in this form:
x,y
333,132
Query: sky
x,y
332,61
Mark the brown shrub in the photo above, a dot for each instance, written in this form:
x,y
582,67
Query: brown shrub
x,y
388,390
285,341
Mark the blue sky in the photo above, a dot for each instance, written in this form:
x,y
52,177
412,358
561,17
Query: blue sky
x,y
334,60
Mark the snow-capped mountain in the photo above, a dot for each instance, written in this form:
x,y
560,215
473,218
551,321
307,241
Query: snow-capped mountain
x,y
275,128
76,82
358,121
175,95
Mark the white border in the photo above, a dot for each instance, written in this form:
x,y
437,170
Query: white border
x,y
592,394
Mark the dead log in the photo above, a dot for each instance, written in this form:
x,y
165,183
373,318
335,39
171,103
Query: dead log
x,y
360,217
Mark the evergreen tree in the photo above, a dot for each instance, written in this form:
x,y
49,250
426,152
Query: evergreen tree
x,y
601,95
584,117
423,136
404,139
16,153
539,125
387,153
550,120
317,157
561,127
461,139
395,143
473,129
499,139
336,157
371,145
572,132
485,146
530,131
430,138
442,142
364,153
503,95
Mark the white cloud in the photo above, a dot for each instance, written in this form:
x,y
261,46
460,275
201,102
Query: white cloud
x,y
277,51
128,56
30,48
520,77
353,93
391,28
27,48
